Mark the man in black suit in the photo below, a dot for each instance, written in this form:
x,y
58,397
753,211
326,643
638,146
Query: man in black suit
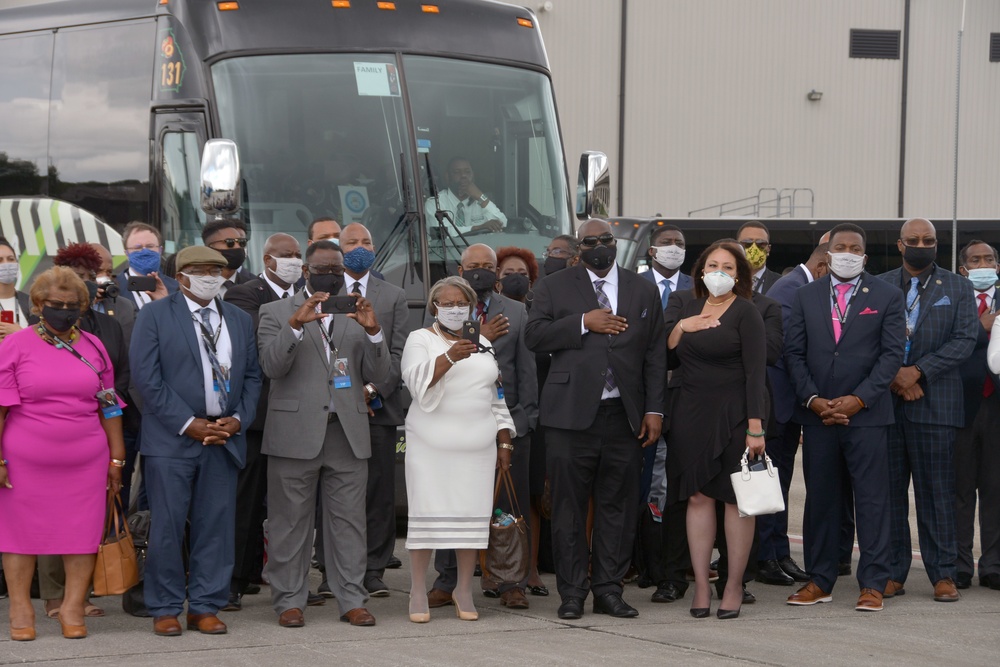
x,y
603,398
229,237
756,240
843,346
282,267
941,328
977,458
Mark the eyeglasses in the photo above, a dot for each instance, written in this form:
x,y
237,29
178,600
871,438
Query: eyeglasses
x,y
761,243
453,304
62,305
231,243
592,241
325,269
215,273
556,252
148,246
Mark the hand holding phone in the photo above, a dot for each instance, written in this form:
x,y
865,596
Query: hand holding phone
x,y
142,283
341,304
7,316
470,331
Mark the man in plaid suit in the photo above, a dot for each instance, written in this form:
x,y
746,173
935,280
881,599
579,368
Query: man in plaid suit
x,y
941,333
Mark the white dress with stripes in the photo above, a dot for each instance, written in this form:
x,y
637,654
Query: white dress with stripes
x,y
451,447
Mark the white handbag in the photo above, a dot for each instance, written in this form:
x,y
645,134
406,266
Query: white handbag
x,y
757,491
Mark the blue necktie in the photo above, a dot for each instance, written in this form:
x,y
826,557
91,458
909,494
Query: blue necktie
x,y
666,293
912,306
603,302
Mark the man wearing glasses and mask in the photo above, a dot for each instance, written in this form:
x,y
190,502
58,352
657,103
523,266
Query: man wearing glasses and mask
x,y
756,240
601,404
229,237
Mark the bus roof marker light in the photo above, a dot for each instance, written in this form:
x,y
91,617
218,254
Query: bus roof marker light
x,y
525,23
227,6
386,5
163,2
341,4
430,9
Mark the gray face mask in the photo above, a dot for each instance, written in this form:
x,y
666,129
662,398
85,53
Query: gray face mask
x,y
452,318
8,272
205,287
846,265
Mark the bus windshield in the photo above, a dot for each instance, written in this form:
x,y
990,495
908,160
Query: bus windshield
x,y
326,135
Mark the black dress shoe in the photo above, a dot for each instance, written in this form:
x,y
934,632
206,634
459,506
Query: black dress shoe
x,y
991,581
726,614
612,604
571,608
492,593
963,580
540,591
770,572
394,563
792,569
251,589
315,600
668,592
235,602
844,570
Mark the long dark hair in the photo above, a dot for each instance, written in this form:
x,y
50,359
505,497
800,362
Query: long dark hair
x,y
744,273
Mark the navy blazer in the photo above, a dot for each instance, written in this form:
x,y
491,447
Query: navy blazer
x,y
975,370
166,369
863,362
684,281
122,280
782,392
945,337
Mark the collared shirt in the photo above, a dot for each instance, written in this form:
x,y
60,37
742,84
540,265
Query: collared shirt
x,y
349,283
673,280
990,299
141,298
610,288
809,275
905,278
281,292
223,352
758,279
474,213
834,280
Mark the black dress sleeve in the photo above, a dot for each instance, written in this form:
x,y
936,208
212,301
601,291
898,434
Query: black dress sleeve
x,y
753,349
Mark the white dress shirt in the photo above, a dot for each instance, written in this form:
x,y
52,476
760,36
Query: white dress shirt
x,y
610,288
223,352
141,298
349,283
281,292
475,214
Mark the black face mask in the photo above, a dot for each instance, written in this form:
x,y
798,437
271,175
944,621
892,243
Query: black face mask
x,y
234,257
599,258
919,258
92,288
330,283
514,286
553,264
60,320
482,280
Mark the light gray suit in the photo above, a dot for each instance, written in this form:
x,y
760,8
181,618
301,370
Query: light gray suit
x,y
305,444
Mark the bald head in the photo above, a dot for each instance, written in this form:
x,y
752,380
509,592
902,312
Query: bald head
x,y
917,228
824,239
275,240
353,235
479,255
107,268
593,227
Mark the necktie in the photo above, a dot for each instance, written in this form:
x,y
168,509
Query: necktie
x,y
912,306
481,312
285,295
217,372
666,293
460,215
356,288
988,387
757,282
603,302
842,290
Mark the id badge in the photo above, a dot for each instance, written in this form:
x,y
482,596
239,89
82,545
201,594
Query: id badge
x,y
107,400
215,380
341,373
499,390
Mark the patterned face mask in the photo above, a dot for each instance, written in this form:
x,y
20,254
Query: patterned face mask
x,y
756,256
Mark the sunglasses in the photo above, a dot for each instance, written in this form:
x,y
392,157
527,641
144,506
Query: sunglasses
x,y
232,243
761,243
592,241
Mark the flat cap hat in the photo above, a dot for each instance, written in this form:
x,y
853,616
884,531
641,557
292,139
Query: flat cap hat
x,y
199,254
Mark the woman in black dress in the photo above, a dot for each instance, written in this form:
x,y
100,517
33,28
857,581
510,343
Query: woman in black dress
x,y
720,343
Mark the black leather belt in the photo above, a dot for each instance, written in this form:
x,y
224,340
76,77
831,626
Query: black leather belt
x,y
610,401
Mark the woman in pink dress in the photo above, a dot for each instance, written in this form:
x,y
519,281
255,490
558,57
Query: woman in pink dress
x,y
59,449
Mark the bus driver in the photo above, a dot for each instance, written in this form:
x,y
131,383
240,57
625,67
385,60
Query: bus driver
x,y
471,210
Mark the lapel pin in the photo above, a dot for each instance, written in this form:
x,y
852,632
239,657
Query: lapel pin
x,y
938,281
864,289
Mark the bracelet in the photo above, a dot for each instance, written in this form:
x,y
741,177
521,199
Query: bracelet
x,y
506,445
680,325
3,463
118,463
762,433
449,359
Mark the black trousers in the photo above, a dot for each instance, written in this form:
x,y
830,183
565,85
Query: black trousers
x,y
602,462
676,554
251,488
977,469
381,498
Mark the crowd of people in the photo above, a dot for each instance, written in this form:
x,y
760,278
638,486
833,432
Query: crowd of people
x,y
264,408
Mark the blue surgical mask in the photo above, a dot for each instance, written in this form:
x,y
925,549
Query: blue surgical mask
x,y
983,279
144,261
359,260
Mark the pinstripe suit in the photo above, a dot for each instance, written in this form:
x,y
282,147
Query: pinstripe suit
x,y
921,442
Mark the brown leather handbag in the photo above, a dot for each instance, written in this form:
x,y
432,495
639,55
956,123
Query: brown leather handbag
x,y
116,570
507,558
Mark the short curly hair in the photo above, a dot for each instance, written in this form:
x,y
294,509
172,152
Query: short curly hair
x,y
79,255
524,255
58,277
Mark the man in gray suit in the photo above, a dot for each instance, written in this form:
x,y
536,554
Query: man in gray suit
x,y
317,431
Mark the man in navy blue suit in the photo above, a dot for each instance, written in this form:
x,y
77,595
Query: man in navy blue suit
x,y
144,246
194,360
941,329
843,346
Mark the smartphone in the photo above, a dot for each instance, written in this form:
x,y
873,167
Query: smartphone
x,y
340,304
142,283
470,331
7,316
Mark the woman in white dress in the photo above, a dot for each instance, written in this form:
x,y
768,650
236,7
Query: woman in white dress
x,y
458,431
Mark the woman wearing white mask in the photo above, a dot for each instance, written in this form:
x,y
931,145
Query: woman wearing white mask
x,y
458,431
15,307
718,337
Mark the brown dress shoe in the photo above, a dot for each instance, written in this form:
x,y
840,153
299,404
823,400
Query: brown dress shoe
x,y
438,598
892,589
514,599
166,626
291,618
945,591
206,624
359,617
808,595
870,600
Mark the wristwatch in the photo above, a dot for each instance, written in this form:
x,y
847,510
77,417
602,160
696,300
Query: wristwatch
x,y
372,391
483,198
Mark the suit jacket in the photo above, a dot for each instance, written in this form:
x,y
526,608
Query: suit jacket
x,y
945,337
572,391
302,381
109,332
782,391
974,371
684,281
517,364
863,362
122,281
165,359
390,307
770,277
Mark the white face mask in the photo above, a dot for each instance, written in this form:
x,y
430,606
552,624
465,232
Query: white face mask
x,y
846,265
288,269
453,318
205,287
8,272
669,256
719,282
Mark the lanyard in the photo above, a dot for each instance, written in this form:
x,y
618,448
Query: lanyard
x,y
211,340
76,353
842,316
327,337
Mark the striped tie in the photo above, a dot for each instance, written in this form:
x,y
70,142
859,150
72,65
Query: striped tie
x,y
221,377
602,301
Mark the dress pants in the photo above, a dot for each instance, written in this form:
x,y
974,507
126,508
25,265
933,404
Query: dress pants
x,y
676,553
381,498
773,528
291,516
860,453
603,461
927,452
251,488
977,468
204,488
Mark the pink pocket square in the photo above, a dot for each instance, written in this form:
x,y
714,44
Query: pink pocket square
x,y
868,311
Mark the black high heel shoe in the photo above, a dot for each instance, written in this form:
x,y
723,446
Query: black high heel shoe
x,y
726,614
700,612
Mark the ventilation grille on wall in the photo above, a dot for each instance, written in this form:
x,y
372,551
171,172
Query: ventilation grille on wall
x,y
995,47
875,44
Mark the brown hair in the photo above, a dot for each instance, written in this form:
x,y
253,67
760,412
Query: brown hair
x,y
744,273
136,226
58,277
524,255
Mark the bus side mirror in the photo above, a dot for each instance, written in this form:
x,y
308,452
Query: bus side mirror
x,y
593,192
221,189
